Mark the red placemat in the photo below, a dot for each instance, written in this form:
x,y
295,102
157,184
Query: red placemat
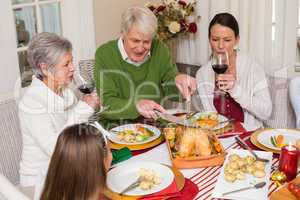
x,y
170,191
189,191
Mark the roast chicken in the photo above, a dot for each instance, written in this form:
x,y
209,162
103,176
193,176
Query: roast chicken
x,y
192,142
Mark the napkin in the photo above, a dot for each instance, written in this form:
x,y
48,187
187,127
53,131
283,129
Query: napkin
x,y
189,191
170,191
238,129
246,138
121,155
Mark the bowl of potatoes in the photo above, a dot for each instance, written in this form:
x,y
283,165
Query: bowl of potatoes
x,y
239,170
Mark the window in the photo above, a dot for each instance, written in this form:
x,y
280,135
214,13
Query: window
x,y
298,34
278,26
273,25
31,17
298,20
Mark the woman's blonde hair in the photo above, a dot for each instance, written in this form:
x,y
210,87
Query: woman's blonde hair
x,y
77,170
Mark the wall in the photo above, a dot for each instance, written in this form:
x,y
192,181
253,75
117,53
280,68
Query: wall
x,y
108,17
9,69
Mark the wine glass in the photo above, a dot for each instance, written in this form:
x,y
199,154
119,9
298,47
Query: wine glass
x,y
87,86
84,85
220,63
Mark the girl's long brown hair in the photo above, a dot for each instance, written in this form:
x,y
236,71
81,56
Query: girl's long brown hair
x,y
76,170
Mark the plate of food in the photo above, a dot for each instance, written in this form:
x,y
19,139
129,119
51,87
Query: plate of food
x,y
276,138
241,170
210,119
153,177
132,134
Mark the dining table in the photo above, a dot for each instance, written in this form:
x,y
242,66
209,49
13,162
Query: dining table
x,y
204,178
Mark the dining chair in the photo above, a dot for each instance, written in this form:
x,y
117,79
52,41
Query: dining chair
x,y
9,191
282,112
10,140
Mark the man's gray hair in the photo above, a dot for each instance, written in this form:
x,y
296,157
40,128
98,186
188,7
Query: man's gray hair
x,y
140,17
46,48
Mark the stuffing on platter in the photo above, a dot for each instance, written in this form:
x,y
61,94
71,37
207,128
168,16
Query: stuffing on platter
x,y
238,167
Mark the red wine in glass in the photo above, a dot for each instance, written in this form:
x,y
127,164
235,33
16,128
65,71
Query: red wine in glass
x,y
86,88
220,68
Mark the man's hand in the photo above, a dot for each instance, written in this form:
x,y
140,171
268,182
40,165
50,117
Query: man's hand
x,y
147,107
186,84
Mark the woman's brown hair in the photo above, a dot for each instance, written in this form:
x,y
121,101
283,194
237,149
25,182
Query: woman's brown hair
x,y
76,170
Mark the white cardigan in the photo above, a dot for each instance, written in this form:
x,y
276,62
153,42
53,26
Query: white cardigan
x,y
43,115
250,90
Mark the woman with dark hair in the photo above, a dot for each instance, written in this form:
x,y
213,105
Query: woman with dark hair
x,y
78,165
245,95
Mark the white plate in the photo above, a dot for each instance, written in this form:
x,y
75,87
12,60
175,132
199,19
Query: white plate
x,y
113,134
224,186
221,118
290,136
123,175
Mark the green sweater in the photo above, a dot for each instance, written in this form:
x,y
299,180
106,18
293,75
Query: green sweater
x,y
122,84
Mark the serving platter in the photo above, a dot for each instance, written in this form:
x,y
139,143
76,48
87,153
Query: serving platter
x,y
224,186
207,114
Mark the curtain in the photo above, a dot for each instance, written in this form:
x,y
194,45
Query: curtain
x,y
78,26
285,43
255,22
51,18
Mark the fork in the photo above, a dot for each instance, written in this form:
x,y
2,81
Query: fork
x,y
244,145
133,185
95,116
191,114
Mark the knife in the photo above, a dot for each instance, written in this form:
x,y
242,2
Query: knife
x,y
176,120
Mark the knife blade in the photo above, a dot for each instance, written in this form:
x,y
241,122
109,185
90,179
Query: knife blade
x,y
176,120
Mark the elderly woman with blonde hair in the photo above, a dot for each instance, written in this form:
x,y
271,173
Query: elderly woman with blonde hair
x,y
48,105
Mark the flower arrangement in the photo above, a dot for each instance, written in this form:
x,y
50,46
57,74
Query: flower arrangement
x,y
174,18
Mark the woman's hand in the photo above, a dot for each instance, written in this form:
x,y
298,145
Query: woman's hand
x,y
92,100
147,108
225,81
186,84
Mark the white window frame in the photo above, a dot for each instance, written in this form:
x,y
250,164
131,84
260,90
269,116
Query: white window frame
x,y
77,25
36,4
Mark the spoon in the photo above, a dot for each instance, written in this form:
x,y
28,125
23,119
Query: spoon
x,y
256,186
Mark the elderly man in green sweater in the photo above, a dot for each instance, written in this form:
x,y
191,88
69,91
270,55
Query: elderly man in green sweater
x,y
134,74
